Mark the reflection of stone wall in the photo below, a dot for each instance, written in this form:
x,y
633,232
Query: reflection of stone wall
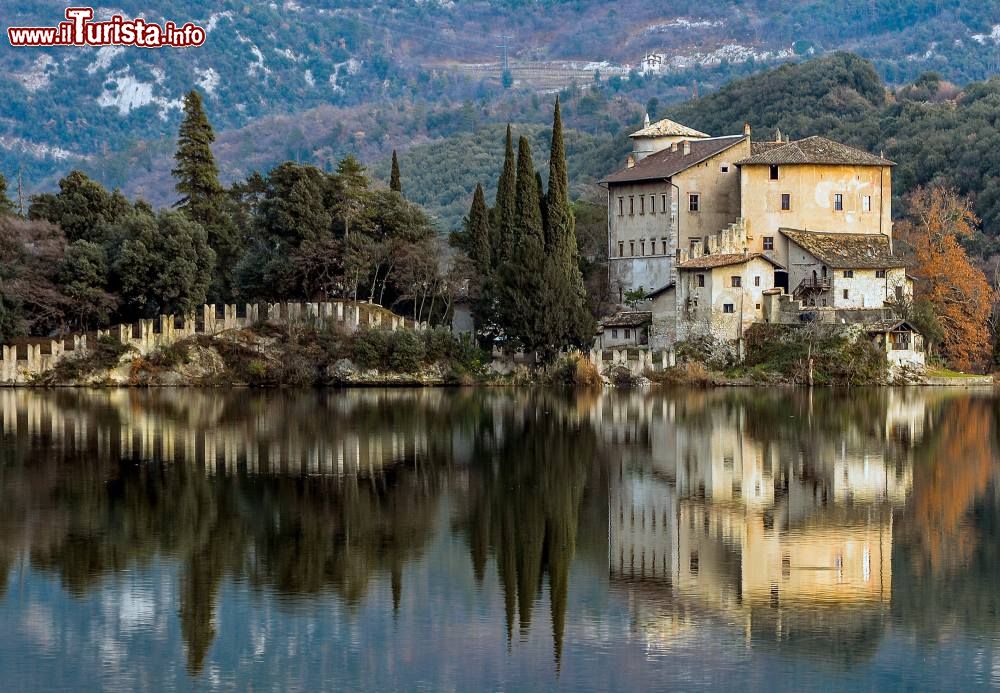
x,y
21,362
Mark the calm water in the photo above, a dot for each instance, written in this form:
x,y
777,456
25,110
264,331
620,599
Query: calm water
x,y
504,539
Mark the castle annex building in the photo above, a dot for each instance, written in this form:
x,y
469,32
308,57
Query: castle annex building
x,y
722,232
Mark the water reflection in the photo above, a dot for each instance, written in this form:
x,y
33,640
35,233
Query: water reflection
x,y
813,525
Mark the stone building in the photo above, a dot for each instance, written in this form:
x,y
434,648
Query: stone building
x,y
729,227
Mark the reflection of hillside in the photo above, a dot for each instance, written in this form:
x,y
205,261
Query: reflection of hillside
x,y
784,528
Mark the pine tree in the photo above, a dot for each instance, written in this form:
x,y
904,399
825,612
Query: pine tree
x,y
505,209
564,282
394,181
6,206
203,199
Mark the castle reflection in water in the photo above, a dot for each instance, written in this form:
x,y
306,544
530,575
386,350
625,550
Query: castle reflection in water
x,y
779,521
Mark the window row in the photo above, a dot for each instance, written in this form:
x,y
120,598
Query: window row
x,y
838,202
735,281
637,204
642,245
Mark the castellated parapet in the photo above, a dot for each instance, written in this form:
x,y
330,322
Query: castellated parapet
x,y
28,358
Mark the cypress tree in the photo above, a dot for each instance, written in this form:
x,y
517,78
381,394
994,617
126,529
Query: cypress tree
x,y
478,229
564,282
505,209
394,182
522,297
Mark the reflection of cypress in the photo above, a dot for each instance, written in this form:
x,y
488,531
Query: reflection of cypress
x,y
199,586
528,493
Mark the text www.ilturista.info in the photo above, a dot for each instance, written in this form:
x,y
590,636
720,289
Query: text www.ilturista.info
x,y
79,30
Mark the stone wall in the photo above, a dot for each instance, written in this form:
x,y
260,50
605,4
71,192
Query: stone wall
x,y
637,361
28,358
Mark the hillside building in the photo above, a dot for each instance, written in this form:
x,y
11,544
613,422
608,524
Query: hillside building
x,y
733,231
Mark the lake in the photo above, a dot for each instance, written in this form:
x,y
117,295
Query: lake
x,y
499,539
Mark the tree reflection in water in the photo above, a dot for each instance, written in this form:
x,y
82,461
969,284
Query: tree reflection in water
x,y
803,519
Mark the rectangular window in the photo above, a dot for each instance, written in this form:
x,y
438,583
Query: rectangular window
x,y
694,243
899,293
728,308
701,280
786,202
693,202
621,248
628,334
642,247
664,246
848,274
838,202
725,168
774,172
631,205
756,281
866,203
846,293
614,334
768,242
642,204
736,281
621,206
663,203
652,204
631,248
880,274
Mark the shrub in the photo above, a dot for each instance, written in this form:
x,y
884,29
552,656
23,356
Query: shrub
x,y
370,348
406,351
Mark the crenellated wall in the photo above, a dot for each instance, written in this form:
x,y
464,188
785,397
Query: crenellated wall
x,y
28,358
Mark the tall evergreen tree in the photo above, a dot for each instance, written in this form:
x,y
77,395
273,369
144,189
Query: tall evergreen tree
x,y
478,229
394,181
564,282
203,198
521,296
505,209
7,207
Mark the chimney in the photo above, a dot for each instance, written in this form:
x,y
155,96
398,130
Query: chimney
x,y
630,161
777,135
746,129
687,147
645,121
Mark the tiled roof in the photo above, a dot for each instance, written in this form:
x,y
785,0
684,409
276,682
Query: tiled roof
x,y
662,289
723,260
893,325
666,163
667,128
635,318
811,150
847,250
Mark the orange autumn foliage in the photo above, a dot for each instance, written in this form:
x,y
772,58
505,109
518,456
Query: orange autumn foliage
x,y
959,293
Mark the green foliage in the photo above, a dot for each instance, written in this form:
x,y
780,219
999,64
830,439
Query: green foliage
x,y
839,356
395,183
6,205
82,208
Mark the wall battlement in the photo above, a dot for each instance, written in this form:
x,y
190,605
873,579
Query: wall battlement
x,y
27,358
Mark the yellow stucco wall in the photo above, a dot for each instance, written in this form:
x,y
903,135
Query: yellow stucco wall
x,y
812,188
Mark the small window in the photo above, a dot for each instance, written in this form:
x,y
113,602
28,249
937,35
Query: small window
x,y
768,242
628,334
756,281
621,206
824,303
899,293
757,306
848,274
728,308
663,203
631,248
774,172
621,248
631,205
694,201
880,274
736,281
846,293
786,202
725,168
664,246
652,204
838,202
614,334
866,203
642,247
642,205
701,280
694,243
